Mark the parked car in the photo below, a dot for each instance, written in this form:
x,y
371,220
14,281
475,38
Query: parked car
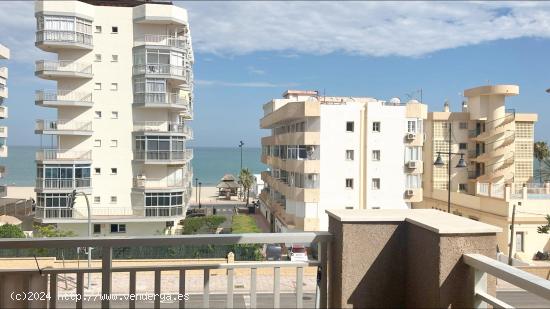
x,y
273,252
298,253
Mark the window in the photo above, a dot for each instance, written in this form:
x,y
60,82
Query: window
x,y
113,199
114,29
349,155
376,155
349,207
114,115
349,126
97,29
97,86
375,207
413,154
413,181
118,228
349,183
376,183
97,143
97,114
114,86
97,228
98,57
376,126
519,241
114,58
97,199
463,125
114,170
463,146
114,143
411,126
462,187
97,171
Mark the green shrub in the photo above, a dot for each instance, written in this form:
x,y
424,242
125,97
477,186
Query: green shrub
x,y
11,231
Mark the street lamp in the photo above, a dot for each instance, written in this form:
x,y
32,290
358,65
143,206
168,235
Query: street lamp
x,y
241,144
72,197
200,185
196,190
439,162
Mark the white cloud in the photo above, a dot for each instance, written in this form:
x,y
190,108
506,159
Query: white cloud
x,y
203,82
255,70
363,28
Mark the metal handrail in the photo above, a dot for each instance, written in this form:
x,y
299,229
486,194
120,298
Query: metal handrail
x,y
160,69
157,98
63,95
162,40
63,66
63,125
64,37
62,154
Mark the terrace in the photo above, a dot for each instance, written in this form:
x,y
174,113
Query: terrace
x,y
414,258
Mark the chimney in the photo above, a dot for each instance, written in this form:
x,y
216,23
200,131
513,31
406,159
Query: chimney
x,y
464,107
446,106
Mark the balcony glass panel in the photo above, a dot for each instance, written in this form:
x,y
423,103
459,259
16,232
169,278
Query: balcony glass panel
x,y
69,29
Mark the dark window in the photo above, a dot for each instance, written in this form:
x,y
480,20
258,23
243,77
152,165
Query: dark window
x,y
349,183
97,228
114,29
463,146
349,126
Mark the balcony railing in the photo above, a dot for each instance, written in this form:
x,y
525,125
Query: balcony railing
x,y
59,36
61,154
67,184
63,96
161,98
64,66
161,69
63,125
162,40
163,126
159,183
163,211
53,212
186,155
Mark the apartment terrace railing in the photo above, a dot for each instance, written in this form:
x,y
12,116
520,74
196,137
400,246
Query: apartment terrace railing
x,y
61,154
161,98
161,69
66,212
506,191
163,211
3,71
159,183
63,96
53,212
58,183
63,125
63,66
162,40
106,245
163,126
60,36
167,155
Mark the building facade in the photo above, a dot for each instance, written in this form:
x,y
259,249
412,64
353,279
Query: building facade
x,y
123,94
4,54
338,152
497,144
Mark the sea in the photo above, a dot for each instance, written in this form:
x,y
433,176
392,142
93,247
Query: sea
x,y
209,164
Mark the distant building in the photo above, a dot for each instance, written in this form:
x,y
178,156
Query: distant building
x,y
4,54
338,152
124,94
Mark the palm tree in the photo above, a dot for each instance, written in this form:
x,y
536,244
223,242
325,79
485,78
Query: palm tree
x,y
541,153
246,180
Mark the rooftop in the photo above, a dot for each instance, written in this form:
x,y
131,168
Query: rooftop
x,y
124,3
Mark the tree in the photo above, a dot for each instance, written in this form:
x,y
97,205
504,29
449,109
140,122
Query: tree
x,y
544,229
541,152
246,180
50,230
11,231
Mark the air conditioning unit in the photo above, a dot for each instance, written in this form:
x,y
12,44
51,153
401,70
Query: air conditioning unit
x,y
409,192
411,136
412,164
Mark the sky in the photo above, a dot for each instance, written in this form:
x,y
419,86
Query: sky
x,y
247,53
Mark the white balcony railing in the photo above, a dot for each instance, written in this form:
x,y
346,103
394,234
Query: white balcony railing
x,y
58,183
183,155
161,69
63,66
60,36
63,125
61,154
162,40
63,96
53,212
161,98
163,126
159,183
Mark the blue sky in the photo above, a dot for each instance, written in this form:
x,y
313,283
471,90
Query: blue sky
x,y
247,53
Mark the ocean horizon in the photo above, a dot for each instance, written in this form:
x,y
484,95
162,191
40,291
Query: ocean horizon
x,y
209,164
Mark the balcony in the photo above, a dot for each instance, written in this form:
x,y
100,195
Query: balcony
x,y
418,259
171,101
3,148
3,91
163,128
63,156
308,193
63,127
3,191
177,74
164,157
290,111
54,40
143,183
55,70
3,132
303,166
293,138
63,184
162,40
3,112
175,211
4,73
59,98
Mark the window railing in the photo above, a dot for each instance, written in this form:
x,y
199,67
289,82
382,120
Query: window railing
x,y
63,66
63,125
320,240
63,95
61,154
62,36
60,183
162,40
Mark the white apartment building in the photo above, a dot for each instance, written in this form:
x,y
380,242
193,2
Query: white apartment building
x,y
338,153
123,95
4,54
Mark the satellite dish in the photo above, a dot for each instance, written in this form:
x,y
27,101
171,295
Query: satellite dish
x,y
395,101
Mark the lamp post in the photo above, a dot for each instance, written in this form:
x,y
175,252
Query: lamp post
x,y
439,162
200,185
72,202
241,144
196,190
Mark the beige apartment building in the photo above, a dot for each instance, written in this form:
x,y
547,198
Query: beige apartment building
x,y
338,153
4,54
497,144
122,92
